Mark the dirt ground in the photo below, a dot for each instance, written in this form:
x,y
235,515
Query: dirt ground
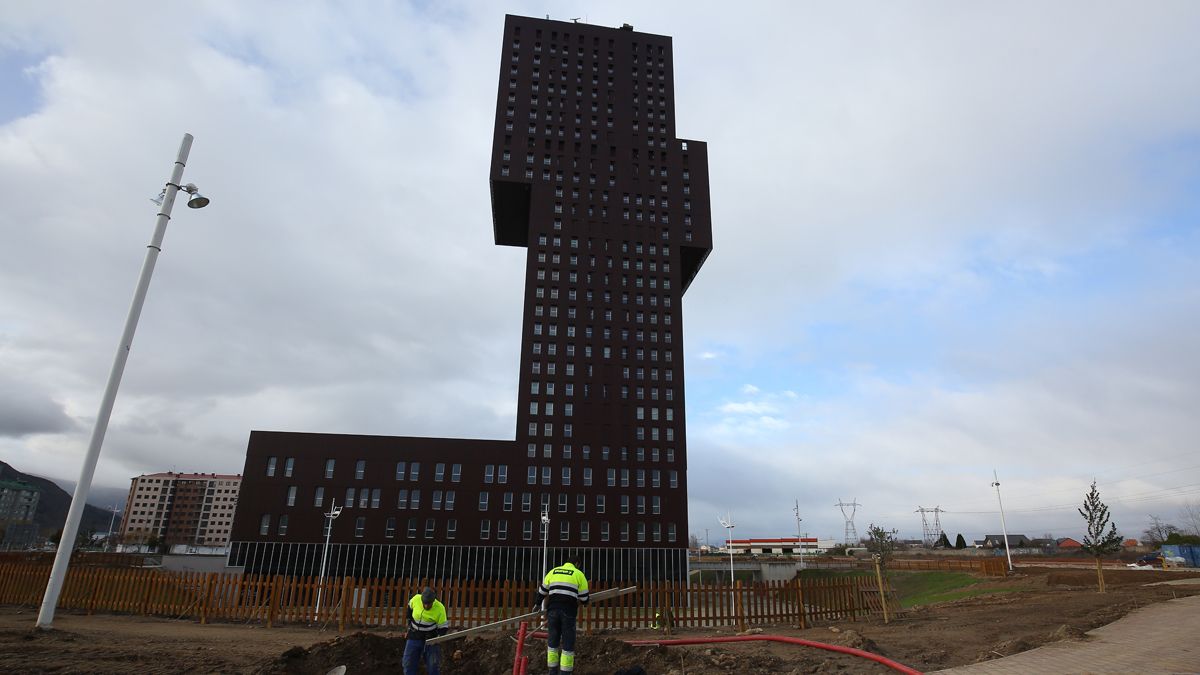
x,y
1039,605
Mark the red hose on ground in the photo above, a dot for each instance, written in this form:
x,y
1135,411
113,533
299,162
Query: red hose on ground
x,y
768,638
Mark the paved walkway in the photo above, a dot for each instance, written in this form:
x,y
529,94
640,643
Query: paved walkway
x,y
1159,638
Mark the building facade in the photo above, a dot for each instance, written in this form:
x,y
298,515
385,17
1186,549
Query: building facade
x,y
588,175
780,546
18,501
187,510
18,505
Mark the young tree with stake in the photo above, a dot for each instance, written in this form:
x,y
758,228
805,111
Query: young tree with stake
x,y
1098,542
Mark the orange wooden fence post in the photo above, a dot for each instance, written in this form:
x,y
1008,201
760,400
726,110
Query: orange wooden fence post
x,y
347,588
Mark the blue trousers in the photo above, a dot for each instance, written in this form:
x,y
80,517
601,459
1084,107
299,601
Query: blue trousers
x,y
414,650
560,637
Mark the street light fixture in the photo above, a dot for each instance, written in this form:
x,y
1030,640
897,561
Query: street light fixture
x,y
334,512
66,545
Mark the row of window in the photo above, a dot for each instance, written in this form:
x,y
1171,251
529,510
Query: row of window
x,y
537,45
625,529
404,470
568,431
531,477
370,498
497,473
605,452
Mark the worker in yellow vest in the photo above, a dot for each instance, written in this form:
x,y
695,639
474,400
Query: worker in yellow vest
x,y
560,594
426,619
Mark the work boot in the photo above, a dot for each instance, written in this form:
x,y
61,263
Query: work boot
x,y
553,671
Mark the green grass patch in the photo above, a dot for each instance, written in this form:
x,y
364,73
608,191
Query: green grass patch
x,y
923,588
832,574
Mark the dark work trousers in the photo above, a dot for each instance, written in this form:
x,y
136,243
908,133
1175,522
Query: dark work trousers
x,y
560,627
414,650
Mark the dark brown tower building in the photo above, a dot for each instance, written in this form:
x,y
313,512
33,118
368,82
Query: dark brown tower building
x,y
588,175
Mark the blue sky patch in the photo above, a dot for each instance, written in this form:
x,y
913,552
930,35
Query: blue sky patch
x,y
18,88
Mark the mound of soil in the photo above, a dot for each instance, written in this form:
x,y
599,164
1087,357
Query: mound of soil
x,y
1121,577
359,652
363,653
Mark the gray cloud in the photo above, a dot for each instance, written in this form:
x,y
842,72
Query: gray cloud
x,y
868,169
26,409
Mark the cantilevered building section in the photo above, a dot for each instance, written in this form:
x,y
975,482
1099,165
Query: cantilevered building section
x,y
588,175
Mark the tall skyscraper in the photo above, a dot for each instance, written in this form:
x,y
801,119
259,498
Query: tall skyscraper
x,y
588,175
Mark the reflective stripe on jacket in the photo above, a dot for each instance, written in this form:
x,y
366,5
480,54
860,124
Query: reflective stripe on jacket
x,y
424,623
565,583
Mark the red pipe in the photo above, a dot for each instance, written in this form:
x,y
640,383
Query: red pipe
x,y
768,638
520,647
788,640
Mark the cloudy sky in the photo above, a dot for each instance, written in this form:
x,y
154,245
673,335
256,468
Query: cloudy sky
x,y
948,239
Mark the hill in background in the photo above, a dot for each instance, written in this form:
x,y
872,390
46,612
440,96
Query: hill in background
x,y
54,503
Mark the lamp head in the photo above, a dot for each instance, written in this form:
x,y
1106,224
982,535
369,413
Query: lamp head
x,y
198,201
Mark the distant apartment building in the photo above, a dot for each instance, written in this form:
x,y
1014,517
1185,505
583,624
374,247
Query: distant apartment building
x,y
180,509
18,504
18,501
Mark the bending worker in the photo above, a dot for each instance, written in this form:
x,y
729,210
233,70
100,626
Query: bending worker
x,y
563,590
426,619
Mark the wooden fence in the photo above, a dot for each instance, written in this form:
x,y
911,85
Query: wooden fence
x,y
989,566
349,602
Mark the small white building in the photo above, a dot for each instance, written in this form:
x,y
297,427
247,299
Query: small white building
x,y
780,546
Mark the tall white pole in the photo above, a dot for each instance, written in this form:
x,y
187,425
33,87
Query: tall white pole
x,y
545,540
731,579
334,512
1003,526
727,523
799,538
112,521
66,545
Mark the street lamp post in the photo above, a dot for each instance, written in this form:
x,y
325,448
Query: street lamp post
x,y
334,512
112,522
799,539
727,523
545,540
66,545
1003,526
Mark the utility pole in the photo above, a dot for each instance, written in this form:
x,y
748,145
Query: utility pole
x,y
1003,526
930,535
851,532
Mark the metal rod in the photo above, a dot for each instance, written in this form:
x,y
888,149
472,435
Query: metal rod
x,y
602,595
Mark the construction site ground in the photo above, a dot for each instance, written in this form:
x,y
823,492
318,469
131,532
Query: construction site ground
x,y
1033,607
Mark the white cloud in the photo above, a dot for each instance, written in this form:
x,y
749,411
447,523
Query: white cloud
x,y
905,205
